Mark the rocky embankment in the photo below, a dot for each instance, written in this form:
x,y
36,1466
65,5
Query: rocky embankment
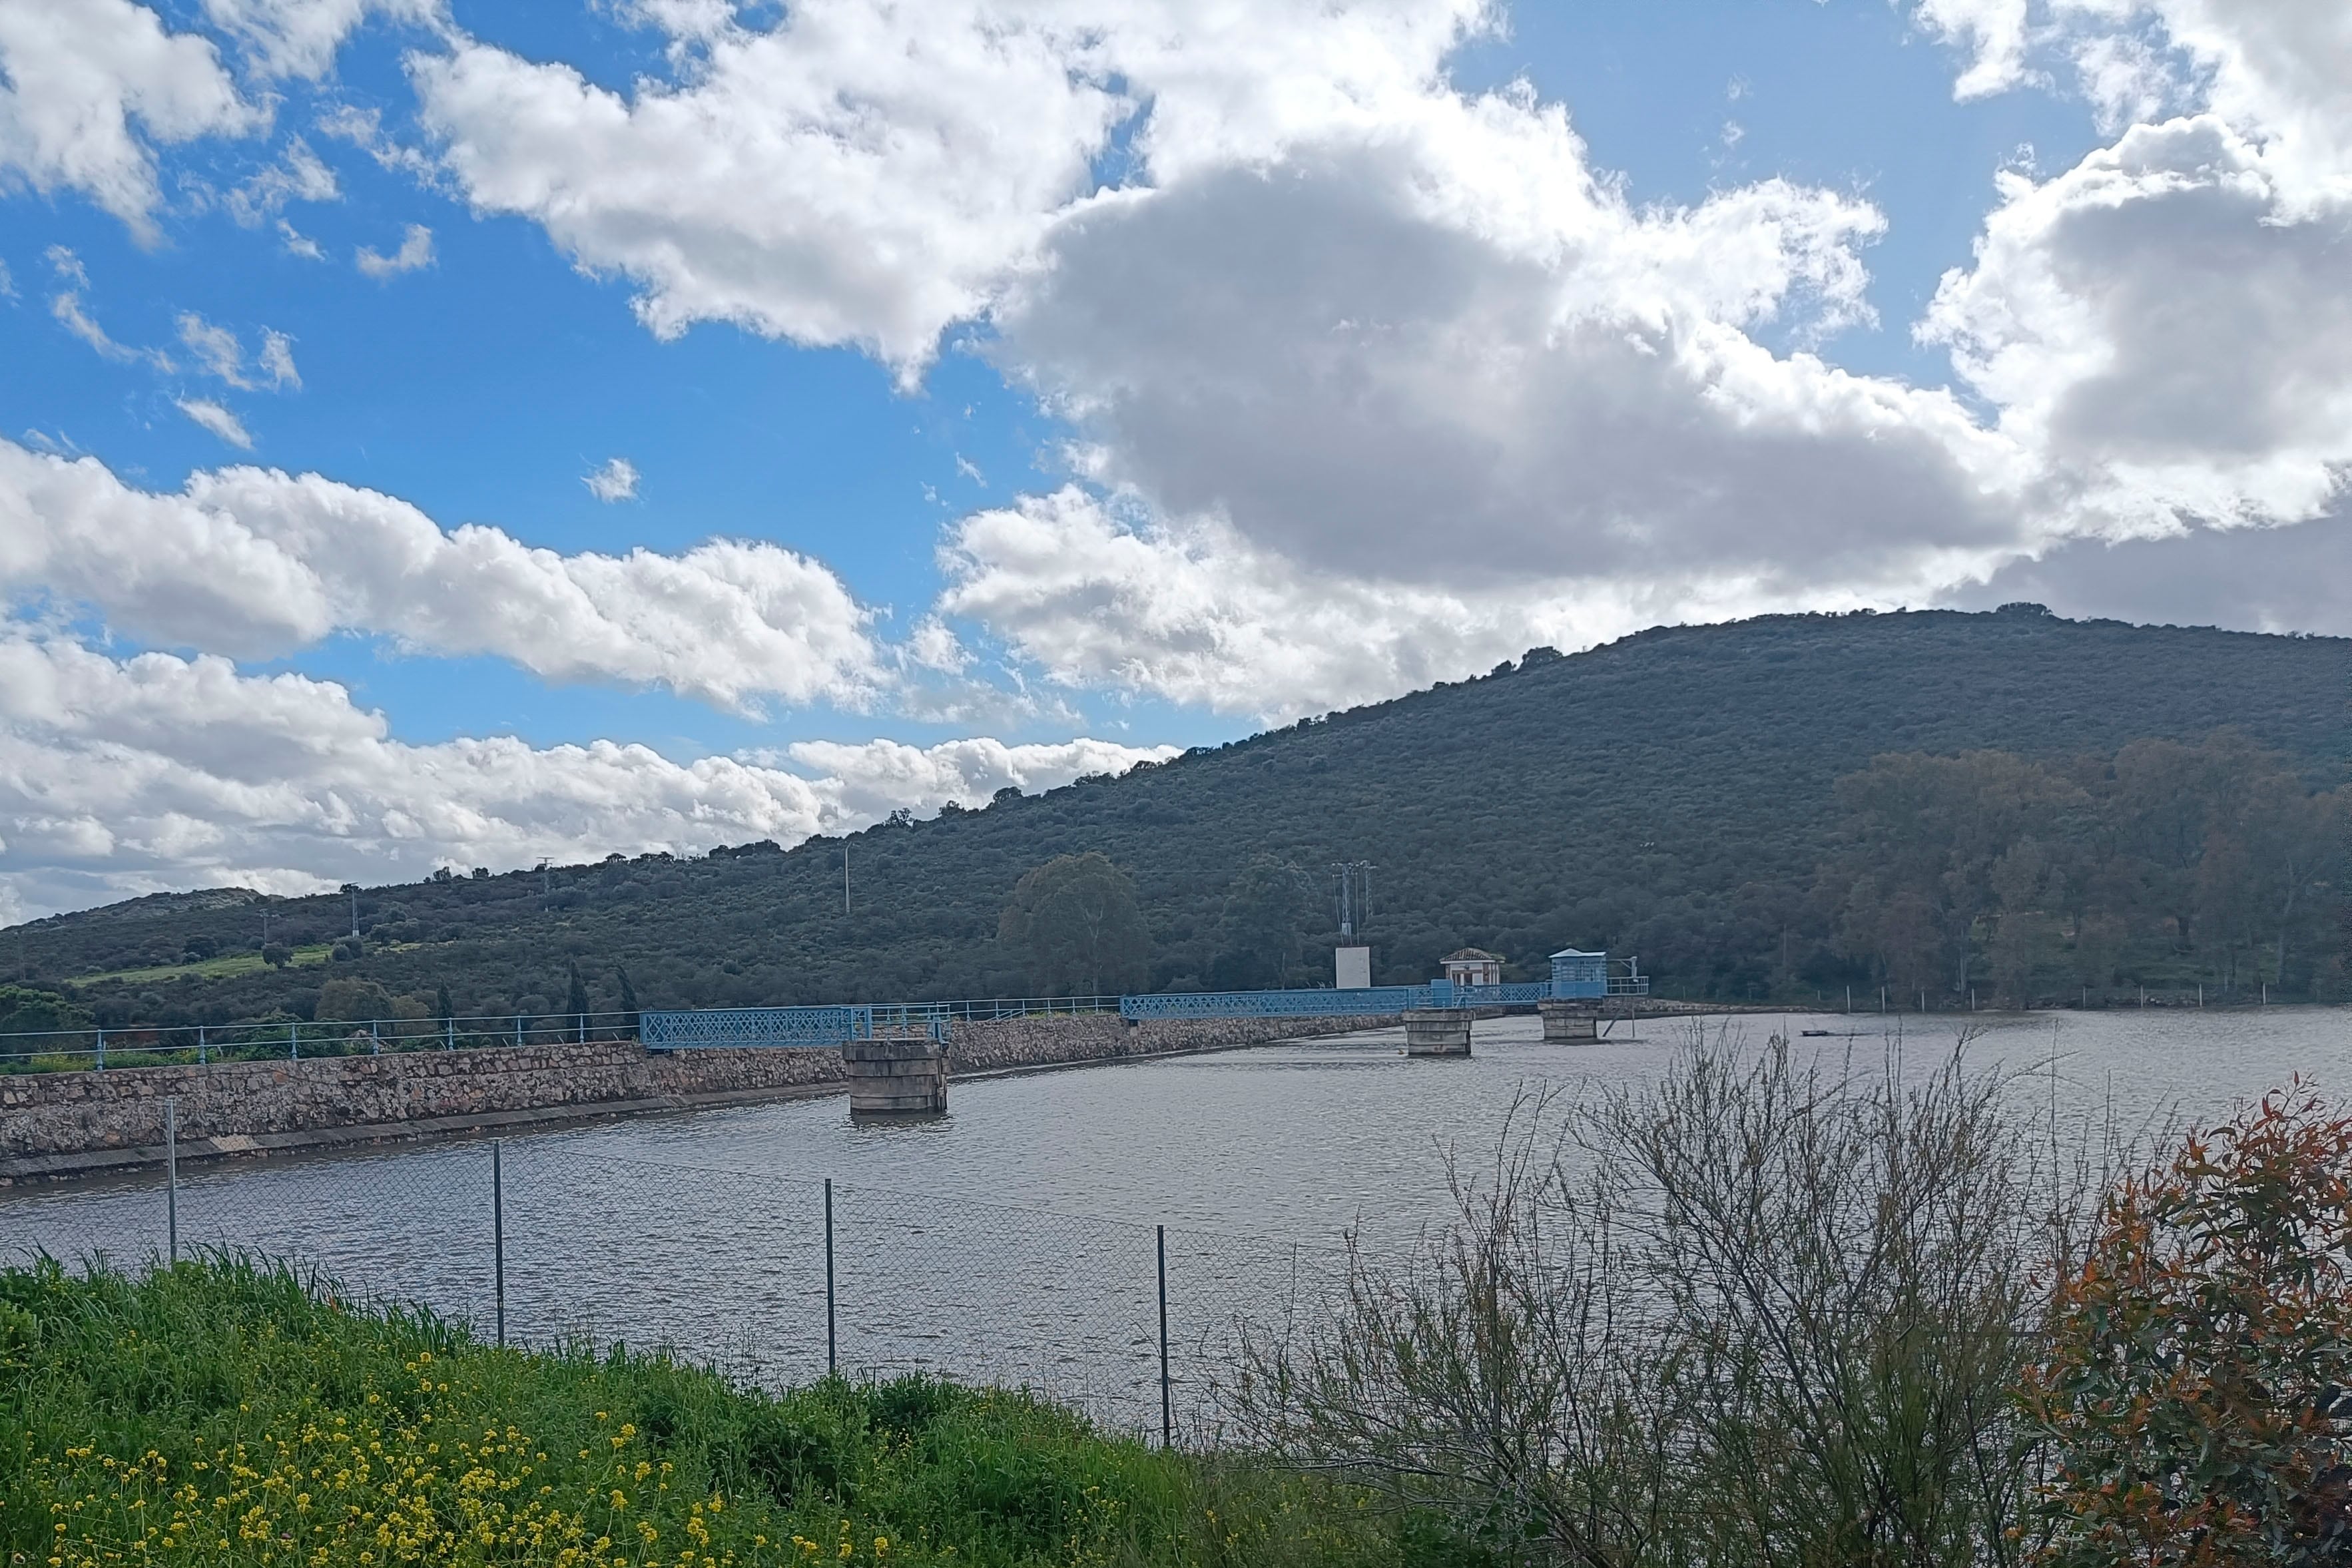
x,y
62,1124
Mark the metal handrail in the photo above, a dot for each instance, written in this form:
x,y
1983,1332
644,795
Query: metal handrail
x,y
97,1046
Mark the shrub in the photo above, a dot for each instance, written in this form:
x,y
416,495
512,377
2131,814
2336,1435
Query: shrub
x,y
2195,1389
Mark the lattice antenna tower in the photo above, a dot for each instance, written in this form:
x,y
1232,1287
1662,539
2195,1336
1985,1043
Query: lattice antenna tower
x,y
1354,881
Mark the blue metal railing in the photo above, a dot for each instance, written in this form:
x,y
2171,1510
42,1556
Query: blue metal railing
x,y
735,1028
678,1029
1371,1001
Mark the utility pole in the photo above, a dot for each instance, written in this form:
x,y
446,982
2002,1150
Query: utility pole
x,y
353,889
546,884
845,878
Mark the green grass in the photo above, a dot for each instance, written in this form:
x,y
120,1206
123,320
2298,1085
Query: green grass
x,y
219,968
231,1413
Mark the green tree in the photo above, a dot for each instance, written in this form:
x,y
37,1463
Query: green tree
x,y
1264,917
1076,922
349,1000
628,1001
27,1010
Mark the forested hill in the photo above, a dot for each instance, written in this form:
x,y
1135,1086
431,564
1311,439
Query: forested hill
x,y
1674,795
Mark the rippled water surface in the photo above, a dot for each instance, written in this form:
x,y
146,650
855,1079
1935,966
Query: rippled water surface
x,y
1015,1238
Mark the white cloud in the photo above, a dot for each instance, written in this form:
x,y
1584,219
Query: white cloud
x,y
415,251
299,176
255,561
2165,324
1199,615
299,244
616,480
66,309
74,77
119,777
869,779
1994,33
277,359
1373,341
8,282
217,420
216,349
905,160
218,353
299,37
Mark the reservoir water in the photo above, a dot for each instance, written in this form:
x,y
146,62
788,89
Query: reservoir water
x,y
1018,1239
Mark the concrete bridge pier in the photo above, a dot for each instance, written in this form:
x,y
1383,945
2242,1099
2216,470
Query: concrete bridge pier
x,y
1437,1031
1567,1023
903,1077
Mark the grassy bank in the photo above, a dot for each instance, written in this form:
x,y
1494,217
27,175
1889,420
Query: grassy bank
x,y
228,1413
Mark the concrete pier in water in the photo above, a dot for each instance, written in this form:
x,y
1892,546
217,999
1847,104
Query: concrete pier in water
x,y
1437,1031
904,1077
1569,1023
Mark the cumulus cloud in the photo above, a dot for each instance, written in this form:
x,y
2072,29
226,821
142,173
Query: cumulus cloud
x,y
1196,613
1994,33
909,158
2296,578
255,561
217,420
416,252
615,480
117,777
74,77
2165,324
869,779
1394,347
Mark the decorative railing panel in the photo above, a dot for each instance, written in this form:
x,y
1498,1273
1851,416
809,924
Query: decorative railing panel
x,y
1513,993
1373,1001
741,1027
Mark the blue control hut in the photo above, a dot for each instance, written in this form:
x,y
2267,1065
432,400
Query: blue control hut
x,y
1576,973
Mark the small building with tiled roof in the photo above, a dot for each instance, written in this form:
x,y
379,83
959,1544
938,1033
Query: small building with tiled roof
x,y
1474,967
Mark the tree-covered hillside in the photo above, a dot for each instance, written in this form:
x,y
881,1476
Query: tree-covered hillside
x,y
1675,795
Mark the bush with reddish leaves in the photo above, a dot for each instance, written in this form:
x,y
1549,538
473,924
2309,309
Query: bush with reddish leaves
x,y
2198,1393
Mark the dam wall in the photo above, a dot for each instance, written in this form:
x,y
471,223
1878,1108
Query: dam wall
x,y
61,1123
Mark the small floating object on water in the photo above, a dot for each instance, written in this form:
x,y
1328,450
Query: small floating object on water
x,y
1814,1033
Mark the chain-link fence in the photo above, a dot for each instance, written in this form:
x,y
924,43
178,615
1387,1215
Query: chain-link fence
x,y
775,1277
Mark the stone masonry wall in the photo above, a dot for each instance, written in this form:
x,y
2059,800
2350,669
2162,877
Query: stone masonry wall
x,y
70,1113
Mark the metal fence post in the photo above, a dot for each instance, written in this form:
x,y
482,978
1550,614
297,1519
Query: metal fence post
x,y
293,1042
171,1177
831,1345
101,1050
200,1045
1167,1402
499,1233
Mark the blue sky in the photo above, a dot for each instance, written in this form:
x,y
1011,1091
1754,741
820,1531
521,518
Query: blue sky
x,y
1131,387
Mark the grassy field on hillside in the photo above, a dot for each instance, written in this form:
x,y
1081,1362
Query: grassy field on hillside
x,y
230,1413
220,968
